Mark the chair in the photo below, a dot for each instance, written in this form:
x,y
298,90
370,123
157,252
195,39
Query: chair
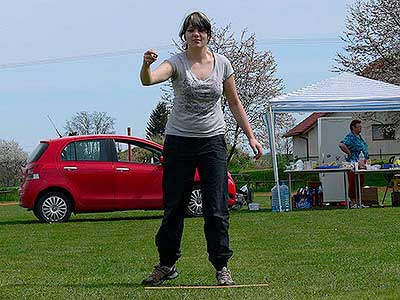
x,y
392,181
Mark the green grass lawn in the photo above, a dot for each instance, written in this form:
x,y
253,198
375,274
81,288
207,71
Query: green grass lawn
x,y
9,194
314,254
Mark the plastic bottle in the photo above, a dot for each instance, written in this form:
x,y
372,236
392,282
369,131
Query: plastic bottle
x,y
285,197
361,156
309,199
320,196
361,160
299,165
313,197
274,199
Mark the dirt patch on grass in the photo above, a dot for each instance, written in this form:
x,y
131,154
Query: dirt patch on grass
x,y
8,203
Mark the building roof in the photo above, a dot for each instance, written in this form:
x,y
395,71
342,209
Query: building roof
x,y
306,125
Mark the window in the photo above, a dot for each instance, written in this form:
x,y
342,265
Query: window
x,y
38,152
139,153
69,152
89,150
383,132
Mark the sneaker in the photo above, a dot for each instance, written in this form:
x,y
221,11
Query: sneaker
x,y
224,277
159,274
364,206
354,206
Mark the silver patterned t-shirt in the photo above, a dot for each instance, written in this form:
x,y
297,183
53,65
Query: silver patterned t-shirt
x,y
197,110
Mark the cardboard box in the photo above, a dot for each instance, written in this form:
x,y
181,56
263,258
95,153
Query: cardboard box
x,y
395,198
313,184
369,196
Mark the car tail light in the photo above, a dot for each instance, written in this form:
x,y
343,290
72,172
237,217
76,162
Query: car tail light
x,y
33,176
32,172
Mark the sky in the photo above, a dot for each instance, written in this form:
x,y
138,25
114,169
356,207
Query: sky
x,y
303,36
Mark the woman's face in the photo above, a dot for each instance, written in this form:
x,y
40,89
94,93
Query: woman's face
x,y
357,128
195,37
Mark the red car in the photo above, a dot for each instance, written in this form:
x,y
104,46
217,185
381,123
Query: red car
x,y
98,173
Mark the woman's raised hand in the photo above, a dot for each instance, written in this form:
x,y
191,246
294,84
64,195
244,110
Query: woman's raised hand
x,y
149,57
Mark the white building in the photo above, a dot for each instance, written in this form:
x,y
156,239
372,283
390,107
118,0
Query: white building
x,y
381,144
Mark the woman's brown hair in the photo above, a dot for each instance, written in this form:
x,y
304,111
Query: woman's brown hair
x,y
354,123
197,20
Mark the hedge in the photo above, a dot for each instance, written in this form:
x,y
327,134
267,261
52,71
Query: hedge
x,y
263,180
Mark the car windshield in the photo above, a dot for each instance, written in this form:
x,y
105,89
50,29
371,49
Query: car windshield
x,y
38,152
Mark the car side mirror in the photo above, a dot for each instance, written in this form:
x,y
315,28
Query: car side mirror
x,y
161,159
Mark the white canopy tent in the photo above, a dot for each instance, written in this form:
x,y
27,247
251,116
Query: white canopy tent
x,y
343,93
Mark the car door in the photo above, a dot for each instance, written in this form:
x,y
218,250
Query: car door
x,y
138,181
88,171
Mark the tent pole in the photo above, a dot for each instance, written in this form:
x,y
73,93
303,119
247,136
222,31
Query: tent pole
x,y
271,133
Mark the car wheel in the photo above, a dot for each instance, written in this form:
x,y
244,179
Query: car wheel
x,y
195,205
53,207
36,213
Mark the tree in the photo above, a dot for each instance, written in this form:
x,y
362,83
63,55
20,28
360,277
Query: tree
x,y
372,38
255,80
12,159
284,145
83,123
158,119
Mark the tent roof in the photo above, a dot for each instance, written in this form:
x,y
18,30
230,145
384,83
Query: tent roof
x,y
344,92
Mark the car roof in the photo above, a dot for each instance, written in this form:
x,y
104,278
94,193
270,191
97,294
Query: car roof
x,y
67,139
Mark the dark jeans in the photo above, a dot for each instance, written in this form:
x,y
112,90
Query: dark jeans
x,y
181,157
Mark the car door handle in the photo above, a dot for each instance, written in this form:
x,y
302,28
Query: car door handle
x,y
70,168
122,169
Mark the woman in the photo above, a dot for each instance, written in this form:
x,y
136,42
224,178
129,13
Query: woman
x,y
353,144
195,139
